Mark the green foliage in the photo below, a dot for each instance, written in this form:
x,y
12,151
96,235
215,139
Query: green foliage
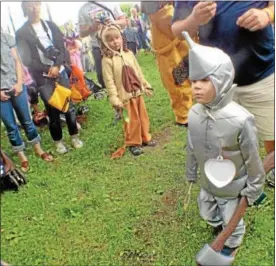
x,y
85,209
126,8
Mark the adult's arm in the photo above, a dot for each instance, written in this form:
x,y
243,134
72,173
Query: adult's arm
x,y
18,65
18,69
120,16
256,19
189,18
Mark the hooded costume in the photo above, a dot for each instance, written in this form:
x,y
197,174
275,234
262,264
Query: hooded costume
x,y
125,84
221,128
171,55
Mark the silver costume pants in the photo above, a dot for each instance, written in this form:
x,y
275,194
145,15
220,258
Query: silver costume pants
x,y
218,211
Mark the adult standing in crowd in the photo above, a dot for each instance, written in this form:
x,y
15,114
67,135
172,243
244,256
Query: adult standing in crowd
x,y
14,98
41,46
243,30
170,53
91,16
140,26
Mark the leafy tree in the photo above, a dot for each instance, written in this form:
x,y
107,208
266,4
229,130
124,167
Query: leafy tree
x,y
126,8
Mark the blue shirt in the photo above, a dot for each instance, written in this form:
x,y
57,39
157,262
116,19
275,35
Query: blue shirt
x,y
252,53
131,35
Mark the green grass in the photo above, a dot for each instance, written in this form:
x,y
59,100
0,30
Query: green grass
x,y
85,209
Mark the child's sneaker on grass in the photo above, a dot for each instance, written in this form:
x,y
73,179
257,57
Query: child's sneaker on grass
x,y
61,148
136,150
76,142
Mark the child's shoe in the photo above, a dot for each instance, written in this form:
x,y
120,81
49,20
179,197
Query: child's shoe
x,y
76,142
136,150
150,143
61,148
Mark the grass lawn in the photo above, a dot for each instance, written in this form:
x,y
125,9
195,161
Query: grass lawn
x,y
85,209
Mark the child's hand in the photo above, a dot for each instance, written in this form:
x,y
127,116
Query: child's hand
x,y
119,106
149,92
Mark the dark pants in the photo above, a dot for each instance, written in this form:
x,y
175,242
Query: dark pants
x,y
96,51
32,90
55,123
54,115
132,46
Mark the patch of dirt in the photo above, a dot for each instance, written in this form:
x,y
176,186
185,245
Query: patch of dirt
x,y
162,137
167,207
170,199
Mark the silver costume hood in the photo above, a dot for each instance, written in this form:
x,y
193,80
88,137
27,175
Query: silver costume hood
x,y
211,62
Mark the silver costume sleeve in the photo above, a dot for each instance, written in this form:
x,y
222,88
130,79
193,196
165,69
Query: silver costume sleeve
x,y
250,151
191,163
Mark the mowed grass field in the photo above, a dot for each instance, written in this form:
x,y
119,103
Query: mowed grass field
x,y
85,209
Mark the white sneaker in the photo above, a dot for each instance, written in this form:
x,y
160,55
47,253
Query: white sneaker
x,y
78,126
61,149
76,143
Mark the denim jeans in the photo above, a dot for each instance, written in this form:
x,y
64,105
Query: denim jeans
x,y
20,105
54,115
142,44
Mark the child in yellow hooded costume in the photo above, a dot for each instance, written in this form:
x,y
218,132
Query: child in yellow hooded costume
x,y
125,85
171,55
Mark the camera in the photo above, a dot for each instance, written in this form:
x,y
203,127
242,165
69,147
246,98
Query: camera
x,y
52,53
10,92
102,17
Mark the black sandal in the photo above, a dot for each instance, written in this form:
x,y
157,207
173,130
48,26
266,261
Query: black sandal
x,y
136,150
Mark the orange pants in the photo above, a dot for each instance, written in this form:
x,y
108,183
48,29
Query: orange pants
x,y
137,130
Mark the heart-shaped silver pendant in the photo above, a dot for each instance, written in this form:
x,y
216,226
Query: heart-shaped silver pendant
x,y
220,171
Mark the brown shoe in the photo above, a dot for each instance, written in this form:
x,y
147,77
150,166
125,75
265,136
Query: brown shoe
x,y
25,167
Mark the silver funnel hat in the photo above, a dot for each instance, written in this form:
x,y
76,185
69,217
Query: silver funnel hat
x,y
211,62
203,60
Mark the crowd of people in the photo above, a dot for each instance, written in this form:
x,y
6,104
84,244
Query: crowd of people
x,y
230,74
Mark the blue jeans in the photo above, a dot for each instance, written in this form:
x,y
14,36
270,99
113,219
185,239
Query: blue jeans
x,y
20,105
142,44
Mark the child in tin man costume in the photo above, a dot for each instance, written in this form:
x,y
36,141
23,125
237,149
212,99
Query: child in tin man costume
x,y
222,142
